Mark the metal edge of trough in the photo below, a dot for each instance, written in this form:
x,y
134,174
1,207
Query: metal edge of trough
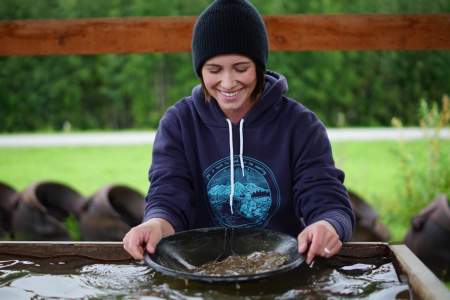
x,y
423,282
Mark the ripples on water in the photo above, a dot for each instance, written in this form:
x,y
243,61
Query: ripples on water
x,y
75,277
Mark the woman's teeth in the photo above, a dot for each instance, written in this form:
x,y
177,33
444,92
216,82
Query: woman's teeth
x,y
234,94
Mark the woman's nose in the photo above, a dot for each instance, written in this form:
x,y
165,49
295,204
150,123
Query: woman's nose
x,y
228,81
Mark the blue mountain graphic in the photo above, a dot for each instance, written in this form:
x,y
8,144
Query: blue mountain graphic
x,y
239,189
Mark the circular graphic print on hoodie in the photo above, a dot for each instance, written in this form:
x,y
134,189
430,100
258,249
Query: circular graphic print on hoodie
x,y
256,193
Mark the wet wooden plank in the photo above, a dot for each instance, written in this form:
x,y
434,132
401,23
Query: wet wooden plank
x,y
114,250
94,250
364,249
423,282
173,34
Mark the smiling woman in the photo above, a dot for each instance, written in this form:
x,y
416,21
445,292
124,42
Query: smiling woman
x,y
283,177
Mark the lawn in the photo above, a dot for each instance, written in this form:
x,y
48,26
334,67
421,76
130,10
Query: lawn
x,y
372,170
84,168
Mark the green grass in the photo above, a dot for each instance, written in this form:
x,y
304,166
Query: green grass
x,y
372,170
84,168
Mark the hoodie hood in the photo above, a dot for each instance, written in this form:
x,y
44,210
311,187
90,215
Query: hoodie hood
x,y
264,111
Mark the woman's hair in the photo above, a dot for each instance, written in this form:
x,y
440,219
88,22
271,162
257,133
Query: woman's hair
x,y
257,92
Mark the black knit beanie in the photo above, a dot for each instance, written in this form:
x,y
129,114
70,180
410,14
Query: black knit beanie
x,y
229,27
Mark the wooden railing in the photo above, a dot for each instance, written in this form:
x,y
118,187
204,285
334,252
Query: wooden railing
x,y
173,34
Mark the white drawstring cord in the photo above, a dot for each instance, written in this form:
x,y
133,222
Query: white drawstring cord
x,y
241,158
230,133
241,144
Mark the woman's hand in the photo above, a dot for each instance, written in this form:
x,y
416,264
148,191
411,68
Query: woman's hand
x,y
322,239
146,236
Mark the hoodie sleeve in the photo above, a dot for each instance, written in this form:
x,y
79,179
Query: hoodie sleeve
x,y
171,193
319,192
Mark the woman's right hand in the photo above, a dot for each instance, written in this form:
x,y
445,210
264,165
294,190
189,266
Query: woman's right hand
x,y
146,236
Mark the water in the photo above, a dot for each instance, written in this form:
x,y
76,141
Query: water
x,y
76,277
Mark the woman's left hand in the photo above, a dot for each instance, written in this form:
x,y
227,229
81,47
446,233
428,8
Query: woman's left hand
x,y
322,239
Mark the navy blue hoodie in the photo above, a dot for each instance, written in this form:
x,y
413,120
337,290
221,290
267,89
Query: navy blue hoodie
x,y
283,178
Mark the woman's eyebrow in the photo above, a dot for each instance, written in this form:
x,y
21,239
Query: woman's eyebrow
x,y
241,63
220,66
213,65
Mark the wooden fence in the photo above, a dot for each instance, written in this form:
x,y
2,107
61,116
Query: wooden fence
x,y
173,34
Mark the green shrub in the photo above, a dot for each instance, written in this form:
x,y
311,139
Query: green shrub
x,y
422,178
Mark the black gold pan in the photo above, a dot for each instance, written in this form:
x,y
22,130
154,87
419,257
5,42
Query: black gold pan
x,y
178,254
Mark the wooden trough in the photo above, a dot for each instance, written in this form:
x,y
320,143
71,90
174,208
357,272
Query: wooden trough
x,y
423,283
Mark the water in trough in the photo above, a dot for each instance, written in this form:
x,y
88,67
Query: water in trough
x,y
78,277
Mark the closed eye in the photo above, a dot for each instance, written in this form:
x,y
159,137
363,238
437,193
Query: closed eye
x,y
212,69
241,70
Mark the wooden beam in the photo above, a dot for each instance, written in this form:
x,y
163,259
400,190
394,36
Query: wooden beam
x,y
115,251
364,249
95,36
359,32
112,251
423,282
173,34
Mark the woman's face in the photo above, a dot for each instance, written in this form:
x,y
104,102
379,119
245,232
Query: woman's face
x,y
231,79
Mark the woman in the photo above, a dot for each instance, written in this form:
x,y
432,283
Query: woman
x,y
283,177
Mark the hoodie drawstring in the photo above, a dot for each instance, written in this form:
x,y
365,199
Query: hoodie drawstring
x,y
230,133
241,144
241,150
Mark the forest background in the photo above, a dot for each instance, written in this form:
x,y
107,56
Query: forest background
x,y
352,88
